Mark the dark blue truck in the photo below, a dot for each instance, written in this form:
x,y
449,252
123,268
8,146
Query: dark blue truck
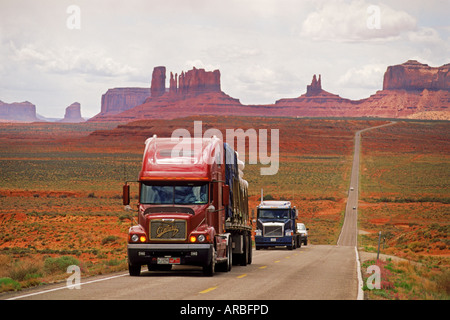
x,y
276,225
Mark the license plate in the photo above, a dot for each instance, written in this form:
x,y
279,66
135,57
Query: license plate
x,y
168,261
273,239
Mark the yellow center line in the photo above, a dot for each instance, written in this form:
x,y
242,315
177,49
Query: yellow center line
x,y
209,289
262,267
241,276
288,257
276,261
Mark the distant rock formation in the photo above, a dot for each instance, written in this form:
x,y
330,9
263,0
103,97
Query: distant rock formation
x,y
315,87
18,111
158,85
73,113
120,99
195,82
315,102
408,89
415,76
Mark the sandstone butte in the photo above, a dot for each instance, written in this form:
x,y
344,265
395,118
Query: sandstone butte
x,y
73,113
410,90
18,111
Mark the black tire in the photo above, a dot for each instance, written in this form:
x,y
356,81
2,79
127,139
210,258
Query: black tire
x,y
208,269
244,255
226,266
250,249
292,245
134,270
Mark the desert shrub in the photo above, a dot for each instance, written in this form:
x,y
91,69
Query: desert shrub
x,y
8,284
443,282
53,265
21,271
109,239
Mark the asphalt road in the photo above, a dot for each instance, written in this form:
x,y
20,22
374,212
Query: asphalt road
x,y
349,231
316,272
310,272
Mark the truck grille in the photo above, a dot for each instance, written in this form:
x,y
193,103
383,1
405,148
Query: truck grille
x,y
273,230
168,229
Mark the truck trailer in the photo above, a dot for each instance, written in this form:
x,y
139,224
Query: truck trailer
x,y
275,225
193,207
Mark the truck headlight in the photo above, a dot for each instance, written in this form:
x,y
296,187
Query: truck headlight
x,y
258,232
134,238
288,233
201,238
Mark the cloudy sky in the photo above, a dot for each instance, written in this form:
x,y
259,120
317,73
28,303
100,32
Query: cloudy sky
x,y
56,52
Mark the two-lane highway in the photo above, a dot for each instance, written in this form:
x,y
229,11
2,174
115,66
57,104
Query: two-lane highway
x,y
349,231
310,272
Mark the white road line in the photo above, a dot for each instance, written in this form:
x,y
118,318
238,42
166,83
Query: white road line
x,y
360,295
66,287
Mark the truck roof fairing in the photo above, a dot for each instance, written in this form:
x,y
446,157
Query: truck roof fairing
x,y
274,204
180,158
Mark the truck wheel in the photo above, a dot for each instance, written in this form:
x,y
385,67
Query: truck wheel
x,y
230,255
226,266
208,270
292,245
134,270
250,250
244,256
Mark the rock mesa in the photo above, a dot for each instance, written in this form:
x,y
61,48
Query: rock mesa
x,y
73,113
18,111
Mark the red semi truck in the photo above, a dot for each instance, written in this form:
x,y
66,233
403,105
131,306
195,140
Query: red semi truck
x,y
193,207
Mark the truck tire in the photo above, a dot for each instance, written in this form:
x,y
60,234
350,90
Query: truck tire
x,y
250,249
134,270
292,245
226,266
208,269
244,256
230,255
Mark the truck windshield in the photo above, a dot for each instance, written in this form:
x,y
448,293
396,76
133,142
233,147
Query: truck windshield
x,y
273,213
190,193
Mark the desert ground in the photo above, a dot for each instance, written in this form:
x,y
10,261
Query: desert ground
x,y
60,196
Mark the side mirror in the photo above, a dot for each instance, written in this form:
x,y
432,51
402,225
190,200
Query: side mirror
x,y
225,195
295,212
126,194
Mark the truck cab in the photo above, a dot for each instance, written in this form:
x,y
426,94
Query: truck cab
x,y
275,225
193,207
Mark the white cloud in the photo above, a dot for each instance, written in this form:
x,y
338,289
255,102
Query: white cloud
x,y
67,59
424,34
356,21
369,76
